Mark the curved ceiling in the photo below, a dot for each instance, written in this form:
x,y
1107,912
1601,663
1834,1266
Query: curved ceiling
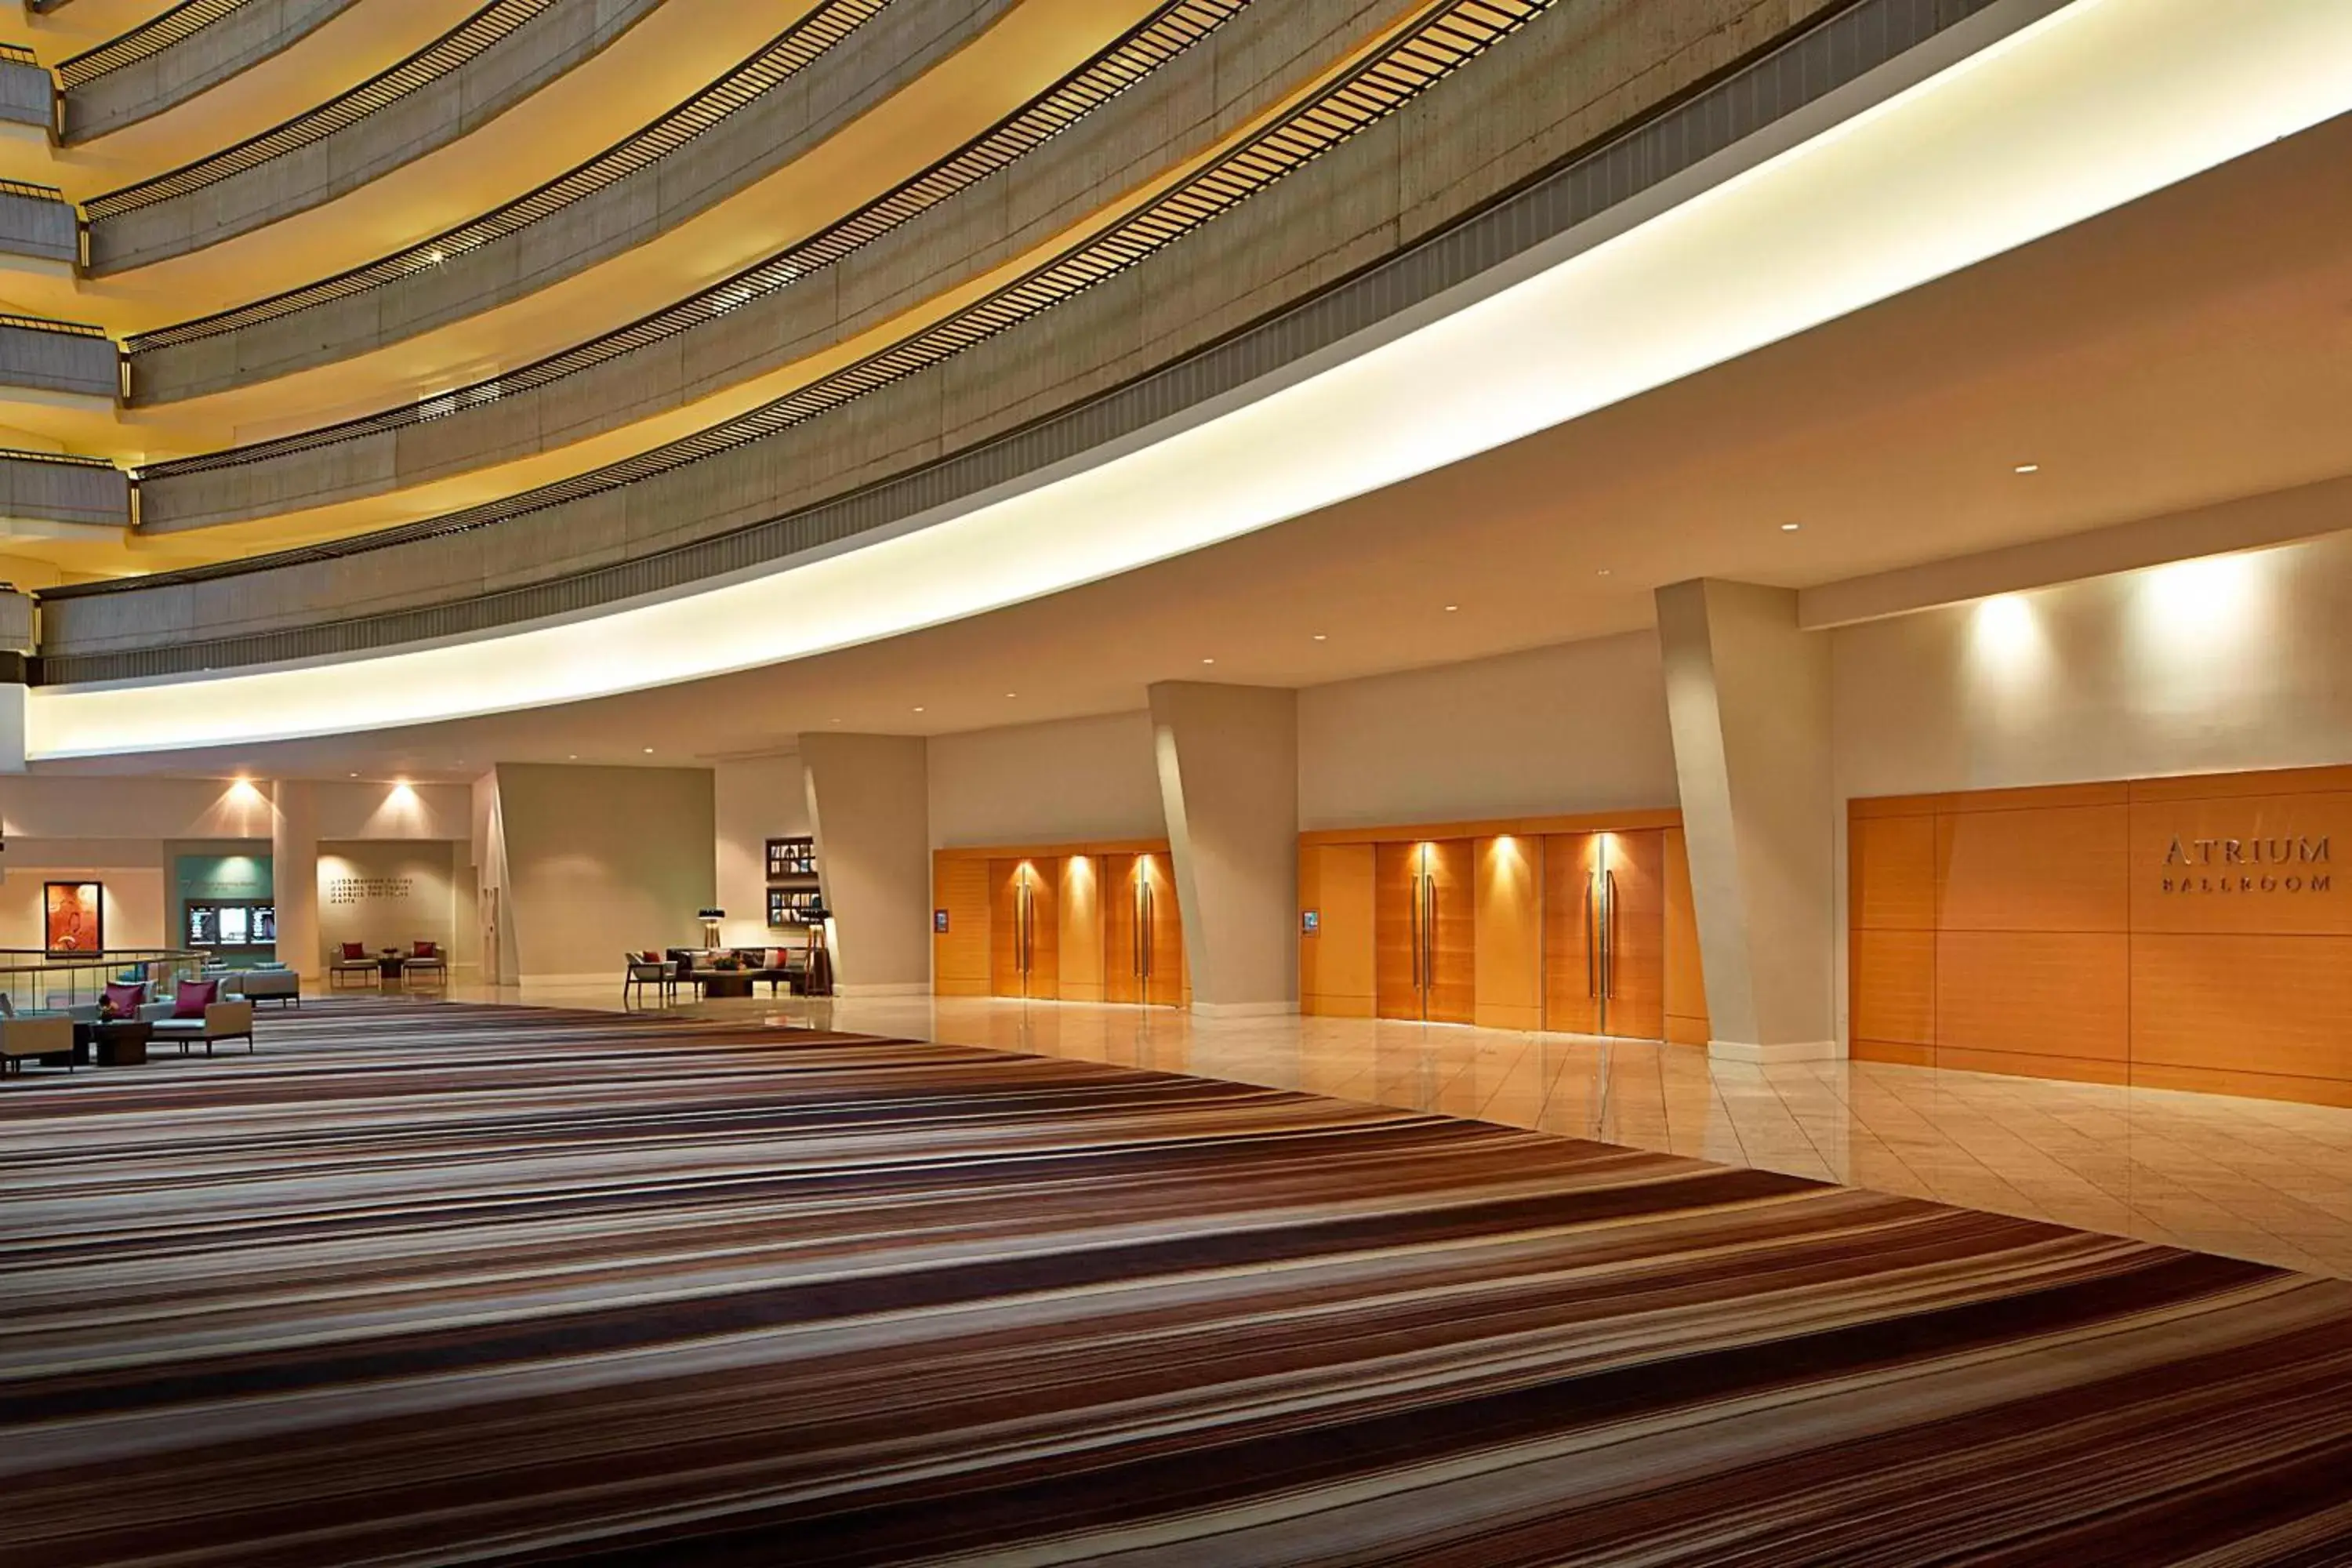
x,y
2065,118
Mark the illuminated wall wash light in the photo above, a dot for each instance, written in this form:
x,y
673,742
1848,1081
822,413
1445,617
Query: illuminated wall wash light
x,y
2086,107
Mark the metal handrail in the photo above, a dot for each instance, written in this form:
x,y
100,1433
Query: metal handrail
x,y
49,324
1449,35
781,59
1143,48
145,41
449,52
74,459
35,986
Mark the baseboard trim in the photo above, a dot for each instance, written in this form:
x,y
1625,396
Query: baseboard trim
x,y
1246,1009
891,988
1768,1056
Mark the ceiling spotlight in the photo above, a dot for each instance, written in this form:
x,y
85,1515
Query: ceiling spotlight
x,y
572,758
1320,637
1602,572
355,775
1450,608
2028,469
1208,661
919,711
1013,694
649,750
1790,527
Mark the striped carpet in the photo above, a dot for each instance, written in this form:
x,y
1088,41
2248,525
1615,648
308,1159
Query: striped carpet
x,y
424,1283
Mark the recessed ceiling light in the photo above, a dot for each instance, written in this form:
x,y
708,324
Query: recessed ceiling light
x,y
1208,661
572,758
355,775
919,711
832,721
1790,527
1013,694
1451,607
1602,572
649,750
1320,637
2028,467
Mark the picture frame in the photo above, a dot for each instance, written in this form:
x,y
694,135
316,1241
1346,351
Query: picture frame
x,y
73,919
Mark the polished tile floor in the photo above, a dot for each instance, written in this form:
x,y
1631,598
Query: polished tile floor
x,y
2251,1178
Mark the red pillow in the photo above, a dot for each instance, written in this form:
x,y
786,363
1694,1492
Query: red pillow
x,y
426,949
650,956
123,1000
194,996
354,950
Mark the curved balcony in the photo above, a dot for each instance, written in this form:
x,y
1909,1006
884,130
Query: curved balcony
x,y
37,223
43,356
55,493
195,46
27,92
1102,344
747,125
497,57
909,242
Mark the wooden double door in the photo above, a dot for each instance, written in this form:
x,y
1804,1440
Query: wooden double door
x,y
1604,927
1044,913
1602,916
1424,931
1025,927
1143,939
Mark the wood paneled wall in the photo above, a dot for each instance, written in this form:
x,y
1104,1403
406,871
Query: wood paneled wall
x,y
2179,933
968,958
1512,937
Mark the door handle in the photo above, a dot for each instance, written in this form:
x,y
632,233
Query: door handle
x,y
1609,934
1591,933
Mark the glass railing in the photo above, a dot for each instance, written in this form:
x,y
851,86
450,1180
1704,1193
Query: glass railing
x,y
37,982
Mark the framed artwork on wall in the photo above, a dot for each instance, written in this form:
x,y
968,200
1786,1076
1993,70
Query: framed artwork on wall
x,y
73,917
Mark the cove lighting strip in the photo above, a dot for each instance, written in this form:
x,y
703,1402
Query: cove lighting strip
x,y
2088,107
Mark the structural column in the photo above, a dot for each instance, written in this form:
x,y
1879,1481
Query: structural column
x,y
1228,757
869,811
1747,695
294,874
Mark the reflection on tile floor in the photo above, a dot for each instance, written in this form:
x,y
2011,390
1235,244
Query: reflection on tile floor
x,y
2252,1178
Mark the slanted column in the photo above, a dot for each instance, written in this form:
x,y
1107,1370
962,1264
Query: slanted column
x,y
1228,759
869,811
294,874
1747,696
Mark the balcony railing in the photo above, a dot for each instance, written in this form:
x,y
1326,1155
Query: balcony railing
x,y
1658,145
1365,95
107,218
37,982
148,68
1160,38
789,53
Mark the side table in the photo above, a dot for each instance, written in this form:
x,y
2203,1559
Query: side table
x,y
117,1043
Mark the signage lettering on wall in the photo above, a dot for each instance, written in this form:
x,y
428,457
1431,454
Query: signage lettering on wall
x,y
2276,864
368,889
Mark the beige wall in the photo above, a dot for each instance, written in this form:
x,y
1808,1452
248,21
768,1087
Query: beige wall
x,y
132,873
389,895
58,805
2230,662
597,860
755,799
1577,727
1228,763
1030,784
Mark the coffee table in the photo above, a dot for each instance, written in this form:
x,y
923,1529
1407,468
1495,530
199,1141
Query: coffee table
x,y
724,982
114,1043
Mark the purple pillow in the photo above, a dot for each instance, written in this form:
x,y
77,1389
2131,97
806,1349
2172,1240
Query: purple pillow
x,y
124,1000
194,996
